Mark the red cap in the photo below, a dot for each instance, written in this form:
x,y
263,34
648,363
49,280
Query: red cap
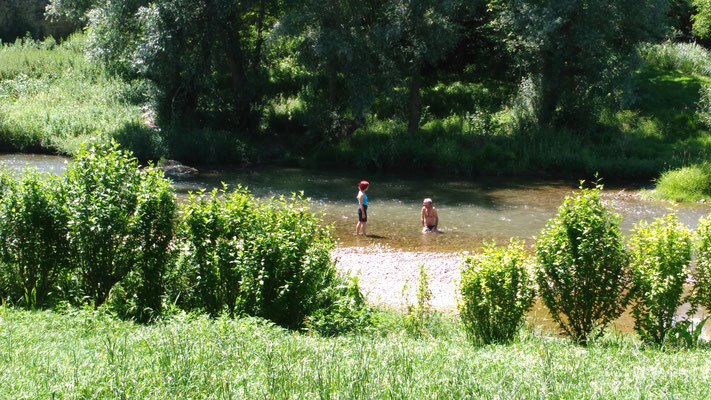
x,y
363,184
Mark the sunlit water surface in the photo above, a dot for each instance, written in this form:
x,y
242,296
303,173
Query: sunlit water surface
x,y
471,211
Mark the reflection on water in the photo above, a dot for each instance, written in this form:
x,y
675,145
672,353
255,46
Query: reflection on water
x,y
470,210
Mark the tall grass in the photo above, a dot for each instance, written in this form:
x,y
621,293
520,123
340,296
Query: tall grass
x,y
691,183
689,58
89,355
53,98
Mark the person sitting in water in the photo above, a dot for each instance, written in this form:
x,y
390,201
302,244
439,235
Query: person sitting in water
x,y
429,217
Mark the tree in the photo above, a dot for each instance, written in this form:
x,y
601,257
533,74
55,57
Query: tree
x,y
340,41
419,33
577,53
702,19
205,57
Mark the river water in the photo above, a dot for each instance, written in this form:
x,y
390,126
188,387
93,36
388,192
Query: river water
x,y
471,211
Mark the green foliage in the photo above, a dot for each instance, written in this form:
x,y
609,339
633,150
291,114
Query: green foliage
x,y
702,18
701,292
704,105
582,265
113,32
660,256
577,55
120,224
74,10
691,183
686,333
419,314
33,239
690,58
269,259
206,59
53,99
342,309
497,289
152,228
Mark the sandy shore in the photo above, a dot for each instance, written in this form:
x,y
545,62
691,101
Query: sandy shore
x,y
383,272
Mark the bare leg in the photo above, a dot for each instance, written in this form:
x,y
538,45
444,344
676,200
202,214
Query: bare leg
x,y
363,225
358,225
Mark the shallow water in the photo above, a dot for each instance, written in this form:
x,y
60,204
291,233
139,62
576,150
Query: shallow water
x,y
470,210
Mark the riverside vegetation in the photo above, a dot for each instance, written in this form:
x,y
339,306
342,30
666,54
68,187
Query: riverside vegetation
x,y
219,283
375,91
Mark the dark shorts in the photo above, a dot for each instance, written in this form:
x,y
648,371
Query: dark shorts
x,y
430,227
363,217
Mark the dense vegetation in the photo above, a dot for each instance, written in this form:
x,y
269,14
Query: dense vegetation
x,y
107,234
457,86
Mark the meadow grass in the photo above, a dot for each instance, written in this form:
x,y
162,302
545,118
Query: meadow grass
x,y
90,355
690,183
52,98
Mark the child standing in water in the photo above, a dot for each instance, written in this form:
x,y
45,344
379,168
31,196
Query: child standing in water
x,y
362,207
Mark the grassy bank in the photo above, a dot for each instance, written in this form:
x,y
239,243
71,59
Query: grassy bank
x,y
52,98
86,354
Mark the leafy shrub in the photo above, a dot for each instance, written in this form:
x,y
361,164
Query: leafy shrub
x,y
342,309
33,238
582,262
120,224
269,259
661,253
419,314
497,290
140,292
701,293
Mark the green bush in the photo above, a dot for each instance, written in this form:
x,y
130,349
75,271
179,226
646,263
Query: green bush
x,y
661,253
497,290
701,293
582,265
419,315
690,183
33,239
139,294
341,309
120,224
269,259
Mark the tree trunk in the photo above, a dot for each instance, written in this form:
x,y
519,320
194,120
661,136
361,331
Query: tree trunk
x,y
413,123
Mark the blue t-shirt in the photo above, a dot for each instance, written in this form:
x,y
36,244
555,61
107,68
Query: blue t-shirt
x,y
365,197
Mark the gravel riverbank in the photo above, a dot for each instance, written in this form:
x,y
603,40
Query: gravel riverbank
x,y
383,272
